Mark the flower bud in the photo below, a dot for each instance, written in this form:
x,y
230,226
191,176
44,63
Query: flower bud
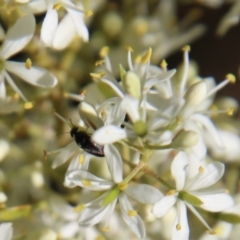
x,y
140,128
132,84
185,139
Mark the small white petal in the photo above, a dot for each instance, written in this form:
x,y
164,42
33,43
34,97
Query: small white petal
x,y
36,76
93,215
161,77
131,105
210,128
211,174
6,231
109,134
216,202
64,155
144,193
49,26
183,233
114,162
95,183
34,7
78,22
115,86
179,169
134,222
163,206
64,33
18,36
69,230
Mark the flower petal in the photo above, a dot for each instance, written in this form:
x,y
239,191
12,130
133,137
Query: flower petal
x,y
211,174
131,105
49,26
18,36
93,215
144,193
64,34
134,222
64,155
6,231
78,22
179,168
114,162
163,206
2,86
36,76
181,219
108,134
87,180
216,202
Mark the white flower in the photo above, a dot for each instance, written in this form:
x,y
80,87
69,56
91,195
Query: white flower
x,y
55,34
6,231
102,207
192,192
16,39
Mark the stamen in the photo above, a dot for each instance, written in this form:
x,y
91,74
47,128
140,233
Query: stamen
x,y
195,212
99,62
122,186
61,117
28,105
214,111
178,227
186,50
57,6
79,208
86,183
230,78
89,13
130,50
97,75
76,97
171,192
132,213
163,64
146,57
81,159
200,169
28,63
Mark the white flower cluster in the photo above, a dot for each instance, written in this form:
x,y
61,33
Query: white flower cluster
x,y
147,149
154,110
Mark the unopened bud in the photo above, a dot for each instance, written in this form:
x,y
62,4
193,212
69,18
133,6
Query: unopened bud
x,y
185,139
140,128
132,84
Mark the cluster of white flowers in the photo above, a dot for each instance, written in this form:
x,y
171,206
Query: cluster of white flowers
x,y
148,142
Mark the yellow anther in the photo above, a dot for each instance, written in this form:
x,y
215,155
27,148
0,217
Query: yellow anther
x,y
28,63
99,62
129,48
104,51
146,57
231,78
16,96
28,105
105,229
186,48
178,227
171,192
65,94
138,59
81,159
79,208
97,75
230,111
163,64
212,232
99,237
122,186
57,6
83,92
89,13
86,183
132,213
200,169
